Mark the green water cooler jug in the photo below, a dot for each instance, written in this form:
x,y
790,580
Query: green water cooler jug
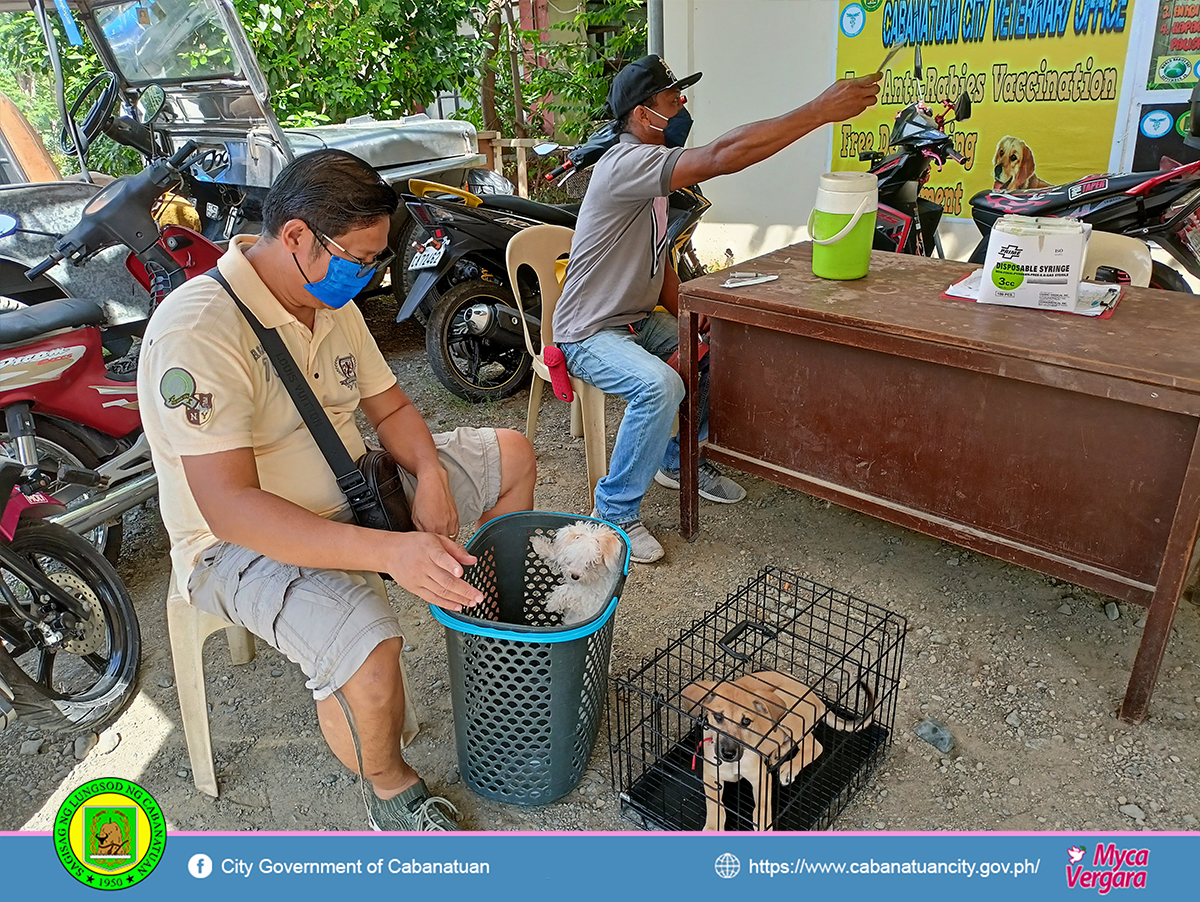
x,y
842,224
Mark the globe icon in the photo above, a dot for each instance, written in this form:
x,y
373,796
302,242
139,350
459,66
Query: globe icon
x,y
727,865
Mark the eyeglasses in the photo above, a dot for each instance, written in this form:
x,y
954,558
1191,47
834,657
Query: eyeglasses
x,y
382,260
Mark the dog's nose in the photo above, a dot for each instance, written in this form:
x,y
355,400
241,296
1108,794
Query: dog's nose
x,y
999,173
729,750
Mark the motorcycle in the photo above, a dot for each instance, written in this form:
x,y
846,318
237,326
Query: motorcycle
x,y
70,644
70,396
1160,207
412,238
473,334
907,223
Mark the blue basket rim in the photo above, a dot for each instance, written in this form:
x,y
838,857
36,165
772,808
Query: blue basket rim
x,y
538,635
624,535
476,626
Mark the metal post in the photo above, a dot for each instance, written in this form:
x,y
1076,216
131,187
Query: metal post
x,y
654,26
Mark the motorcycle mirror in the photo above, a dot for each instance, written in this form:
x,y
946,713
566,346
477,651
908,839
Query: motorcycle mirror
x,y
8,225
150,103
918,74
1192,139
962,107
546,148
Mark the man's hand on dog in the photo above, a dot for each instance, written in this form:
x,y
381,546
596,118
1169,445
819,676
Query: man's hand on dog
x,y
431,567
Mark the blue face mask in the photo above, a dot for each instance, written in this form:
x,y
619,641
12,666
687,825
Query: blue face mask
x,y
341,284
677,129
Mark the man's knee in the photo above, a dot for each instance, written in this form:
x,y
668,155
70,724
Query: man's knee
x,y
517,461
378,681
664,388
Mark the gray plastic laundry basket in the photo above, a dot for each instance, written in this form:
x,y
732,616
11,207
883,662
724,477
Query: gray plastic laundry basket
x,y
527,692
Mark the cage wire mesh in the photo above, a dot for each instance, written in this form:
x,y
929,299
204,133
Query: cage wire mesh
x,y
848,651
528,694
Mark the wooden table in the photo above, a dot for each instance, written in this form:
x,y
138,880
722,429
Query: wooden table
x,y
1063,443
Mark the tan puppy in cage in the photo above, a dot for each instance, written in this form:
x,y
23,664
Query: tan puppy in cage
x,y
752,725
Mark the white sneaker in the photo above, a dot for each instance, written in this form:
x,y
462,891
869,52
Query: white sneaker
x,y
713,485
643,547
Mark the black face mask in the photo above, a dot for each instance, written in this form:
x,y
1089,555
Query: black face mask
x,y
677,129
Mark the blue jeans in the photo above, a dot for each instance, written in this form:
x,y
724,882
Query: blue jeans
x,y
633,366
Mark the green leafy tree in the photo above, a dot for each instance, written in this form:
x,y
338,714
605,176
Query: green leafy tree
x,y
26,77
592,48
328,60
325,61
563,77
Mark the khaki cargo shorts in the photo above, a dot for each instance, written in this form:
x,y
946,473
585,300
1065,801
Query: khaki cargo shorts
x,y
329,621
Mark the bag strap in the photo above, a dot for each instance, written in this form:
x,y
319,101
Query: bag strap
x,y
349,479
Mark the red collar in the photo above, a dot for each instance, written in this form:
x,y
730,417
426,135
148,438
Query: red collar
x,y
699,745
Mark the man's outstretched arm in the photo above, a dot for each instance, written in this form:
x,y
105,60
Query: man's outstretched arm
x,y
752,143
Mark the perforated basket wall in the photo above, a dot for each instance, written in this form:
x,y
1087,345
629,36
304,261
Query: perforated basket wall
x,y
527,692
848,650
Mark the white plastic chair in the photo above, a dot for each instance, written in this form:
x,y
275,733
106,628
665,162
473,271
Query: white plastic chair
x,y
539,248
1121,251
188,627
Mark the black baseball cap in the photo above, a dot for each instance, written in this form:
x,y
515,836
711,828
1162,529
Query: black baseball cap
x,y
641,80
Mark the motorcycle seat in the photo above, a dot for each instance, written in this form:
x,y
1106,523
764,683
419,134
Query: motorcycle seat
x,y
49,316
1055,198
564,215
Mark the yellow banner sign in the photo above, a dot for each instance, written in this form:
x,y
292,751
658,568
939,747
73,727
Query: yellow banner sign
x,y
1044,78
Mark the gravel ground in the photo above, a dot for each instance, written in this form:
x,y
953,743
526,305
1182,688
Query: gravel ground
x,y
1025,671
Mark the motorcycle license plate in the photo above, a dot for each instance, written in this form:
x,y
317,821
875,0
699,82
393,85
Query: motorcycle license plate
x,y
431,256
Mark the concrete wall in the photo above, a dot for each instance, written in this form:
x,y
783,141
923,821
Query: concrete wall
x,y
760,58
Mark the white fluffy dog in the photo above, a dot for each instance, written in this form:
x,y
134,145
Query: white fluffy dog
x,y
589,556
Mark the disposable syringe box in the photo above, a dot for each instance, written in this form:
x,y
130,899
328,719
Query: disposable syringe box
x,y
1034,262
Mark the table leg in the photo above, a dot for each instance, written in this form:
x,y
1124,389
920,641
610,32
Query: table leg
x,y
1167,591
689,416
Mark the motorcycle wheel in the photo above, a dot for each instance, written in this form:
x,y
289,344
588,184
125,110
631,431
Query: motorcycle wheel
x,y
84,683
1167,279
476,369
56,446
402,281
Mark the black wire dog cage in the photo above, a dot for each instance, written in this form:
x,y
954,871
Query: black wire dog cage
x,y
767,714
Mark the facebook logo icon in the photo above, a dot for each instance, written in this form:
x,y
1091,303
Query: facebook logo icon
x,y
200,866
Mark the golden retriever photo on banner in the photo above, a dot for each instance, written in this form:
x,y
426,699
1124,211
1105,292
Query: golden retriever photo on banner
x,y
1015,166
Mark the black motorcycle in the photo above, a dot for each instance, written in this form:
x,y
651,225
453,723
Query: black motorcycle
x,y
1161,207
473,334
907,223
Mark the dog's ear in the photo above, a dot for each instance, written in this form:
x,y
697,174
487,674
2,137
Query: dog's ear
x,y
1002,147
613,550
696,693
1026,169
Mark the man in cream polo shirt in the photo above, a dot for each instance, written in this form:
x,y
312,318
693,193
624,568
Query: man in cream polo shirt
x,y
260,532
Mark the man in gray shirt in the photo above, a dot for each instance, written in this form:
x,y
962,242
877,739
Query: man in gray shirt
x,y
605,322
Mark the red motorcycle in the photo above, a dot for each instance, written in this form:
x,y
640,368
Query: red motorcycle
x,y
68,380
69,639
